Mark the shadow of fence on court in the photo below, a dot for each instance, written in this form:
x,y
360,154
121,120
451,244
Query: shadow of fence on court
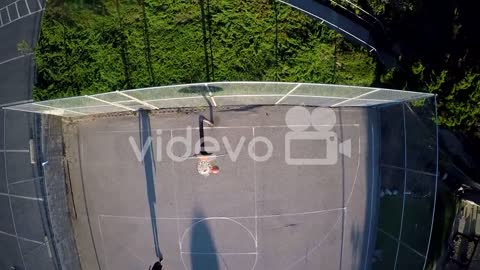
x,y
149,165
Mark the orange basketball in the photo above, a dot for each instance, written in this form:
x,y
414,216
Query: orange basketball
x,y
215,170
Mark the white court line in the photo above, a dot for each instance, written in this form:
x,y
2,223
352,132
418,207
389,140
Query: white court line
x,y
255,191
407,169
402,243
22,238
404,183
26,180
8,191
175,199
234,217
102,239
356,173
229,219
22,197
186,231
232,127
125,247
315,247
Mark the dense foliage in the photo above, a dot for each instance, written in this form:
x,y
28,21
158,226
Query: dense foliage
x,y
439,50
117,44
91,46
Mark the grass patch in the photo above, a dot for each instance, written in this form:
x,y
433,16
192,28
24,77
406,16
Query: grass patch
x,y
445,212
417,220
389,250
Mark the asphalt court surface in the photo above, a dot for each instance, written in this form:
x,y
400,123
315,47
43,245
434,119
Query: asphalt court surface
x,y
252,215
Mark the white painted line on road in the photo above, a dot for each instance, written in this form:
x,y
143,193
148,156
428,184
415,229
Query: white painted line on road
x,y
25,181
28,8
32,151
8,14
14,151
16,7
8,191
22,238
13,59
22,197
37,11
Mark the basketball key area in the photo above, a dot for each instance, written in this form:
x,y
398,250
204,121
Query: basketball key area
x,y
282,198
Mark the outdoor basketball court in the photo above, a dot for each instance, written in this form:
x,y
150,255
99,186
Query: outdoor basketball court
x,y
253,215
310,176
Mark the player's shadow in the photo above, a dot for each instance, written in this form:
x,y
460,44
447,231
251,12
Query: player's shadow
x,y
203,252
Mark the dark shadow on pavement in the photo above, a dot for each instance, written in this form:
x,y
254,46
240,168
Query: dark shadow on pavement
x,y
203,252
149,165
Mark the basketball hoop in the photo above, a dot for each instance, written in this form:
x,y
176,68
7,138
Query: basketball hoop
x,y
205,165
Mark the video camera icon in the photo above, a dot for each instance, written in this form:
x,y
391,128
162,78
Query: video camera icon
x,y
323,120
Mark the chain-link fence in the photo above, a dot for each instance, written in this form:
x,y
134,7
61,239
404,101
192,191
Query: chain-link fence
x,y
408,182
220,94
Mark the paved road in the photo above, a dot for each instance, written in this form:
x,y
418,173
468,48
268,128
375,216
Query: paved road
x,y
24,235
